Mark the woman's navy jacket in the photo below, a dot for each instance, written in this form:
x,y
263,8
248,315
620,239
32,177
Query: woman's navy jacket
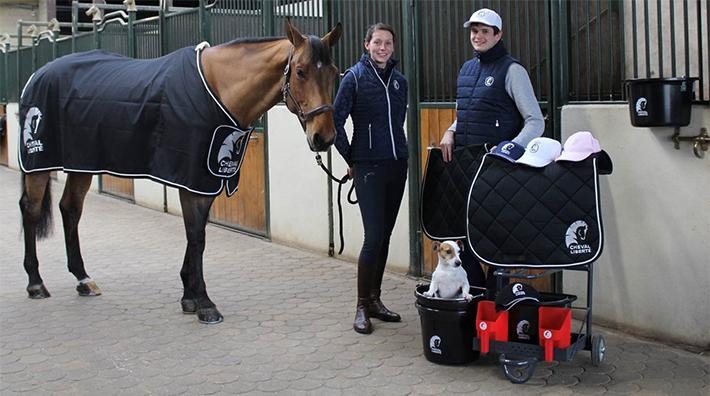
x,y
377,104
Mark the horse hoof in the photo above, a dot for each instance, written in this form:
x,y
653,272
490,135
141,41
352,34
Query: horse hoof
x,y
38,291
88,289
209,316
189,307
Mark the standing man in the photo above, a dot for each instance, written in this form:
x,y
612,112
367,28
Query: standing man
x,y
495,102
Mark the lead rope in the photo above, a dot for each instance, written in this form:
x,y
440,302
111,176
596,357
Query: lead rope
x,y
340,182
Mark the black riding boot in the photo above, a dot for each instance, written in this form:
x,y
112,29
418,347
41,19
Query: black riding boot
x,y
379,311
376,308
362,322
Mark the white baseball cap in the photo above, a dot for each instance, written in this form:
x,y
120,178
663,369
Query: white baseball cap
x,y
485,16
540,152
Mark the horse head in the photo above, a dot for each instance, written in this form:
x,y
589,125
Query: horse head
x,y
308,86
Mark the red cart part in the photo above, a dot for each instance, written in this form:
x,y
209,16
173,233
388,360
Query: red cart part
x,y
554,325
490,324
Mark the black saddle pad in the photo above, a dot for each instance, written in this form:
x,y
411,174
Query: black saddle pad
x,y
520,216
445,191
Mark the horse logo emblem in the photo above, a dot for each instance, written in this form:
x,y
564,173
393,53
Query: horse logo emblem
x,y
489,81
226,154
230,152
435,344
396,85
641,105
522,329
576,237
227,151
29,131
507,147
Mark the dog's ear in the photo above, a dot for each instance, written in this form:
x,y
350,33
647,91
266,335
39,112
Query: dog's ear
x,y
458,242
435,246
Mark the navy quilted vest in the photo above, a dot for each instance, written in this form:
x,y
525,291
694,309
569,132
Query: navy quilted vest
x,y
378,133
485,113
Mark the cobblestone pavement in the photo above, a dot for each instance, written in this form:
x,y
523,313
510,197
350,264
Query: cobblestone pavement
x,y
287,328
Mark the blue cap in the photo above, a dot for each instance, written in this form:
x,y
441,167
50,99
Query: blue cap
x,y
509,150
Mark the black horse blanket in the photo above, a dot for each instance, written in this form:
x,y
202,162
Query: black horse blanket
x,y
99,112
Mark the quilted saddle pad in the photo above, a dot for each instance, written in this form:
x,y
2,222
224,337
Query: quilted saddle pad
x,y
520,216
445,191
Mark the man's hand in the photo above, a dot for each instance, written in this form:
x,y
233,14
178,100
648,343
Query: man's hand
x,y
447,145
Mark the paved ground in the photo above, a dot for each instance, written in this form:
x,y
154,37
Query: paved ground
x,y
287,329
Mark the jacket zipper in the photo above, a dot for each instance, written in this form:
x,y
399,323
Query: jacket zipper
x,y
389,108
369,132
497,124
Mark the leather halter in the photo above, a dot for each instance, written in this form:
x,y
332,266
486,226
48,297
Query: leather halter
x,y
303,117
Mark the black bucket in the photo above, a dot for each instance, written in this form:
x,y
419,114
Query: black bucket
x,y
448,326
660,101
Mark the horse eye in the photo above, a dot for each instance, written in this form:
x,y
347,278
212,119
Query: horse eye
x,y
300,74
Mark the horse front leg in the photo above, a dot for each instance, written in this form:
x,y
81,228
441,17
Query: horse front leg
x,y
195,211
36,209
72,206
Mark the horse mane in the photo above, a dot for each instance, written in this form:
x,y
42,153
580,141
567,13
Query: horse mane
x,y
319,51
253,40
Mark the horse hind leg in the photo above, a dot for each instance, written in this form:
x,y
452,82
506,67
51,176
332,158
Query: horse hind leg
x,y
71,207
36,209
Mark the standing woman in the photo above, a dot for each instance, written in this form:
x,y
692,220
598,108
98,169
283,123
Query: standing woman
x,y
374,94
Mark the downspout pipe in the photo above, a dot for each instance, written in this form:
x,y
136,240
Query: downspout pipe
x,y
409,54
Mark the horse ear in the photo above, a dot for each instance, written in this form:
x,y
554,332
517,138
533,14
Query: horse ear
x,y
294,36
332,37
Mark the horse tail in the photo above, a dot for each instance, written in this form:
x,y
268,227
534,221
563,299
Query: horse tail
x,y
44,223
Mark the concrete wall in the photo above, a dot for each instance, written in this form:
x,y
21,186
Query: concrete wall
x,y
652,277
298,197
11,12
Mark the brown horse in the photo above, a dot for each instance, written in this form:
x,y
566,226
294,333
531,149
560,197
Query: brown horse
x,y
247,77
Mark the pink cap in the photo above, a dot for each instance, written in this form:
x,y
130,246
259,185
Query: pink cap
x,y
579,146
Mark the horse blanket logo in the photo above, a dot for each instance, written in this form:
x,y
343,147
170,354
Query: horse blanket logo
x,y
226,154
576,236
99,112
29,131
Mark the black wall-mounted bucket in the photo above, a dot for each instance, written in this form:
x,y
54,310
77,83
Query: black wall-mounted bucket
x,y
660,101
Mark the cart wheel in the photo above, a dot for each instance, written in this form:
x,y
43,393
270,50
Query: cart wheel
x,y
598,349
517,371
